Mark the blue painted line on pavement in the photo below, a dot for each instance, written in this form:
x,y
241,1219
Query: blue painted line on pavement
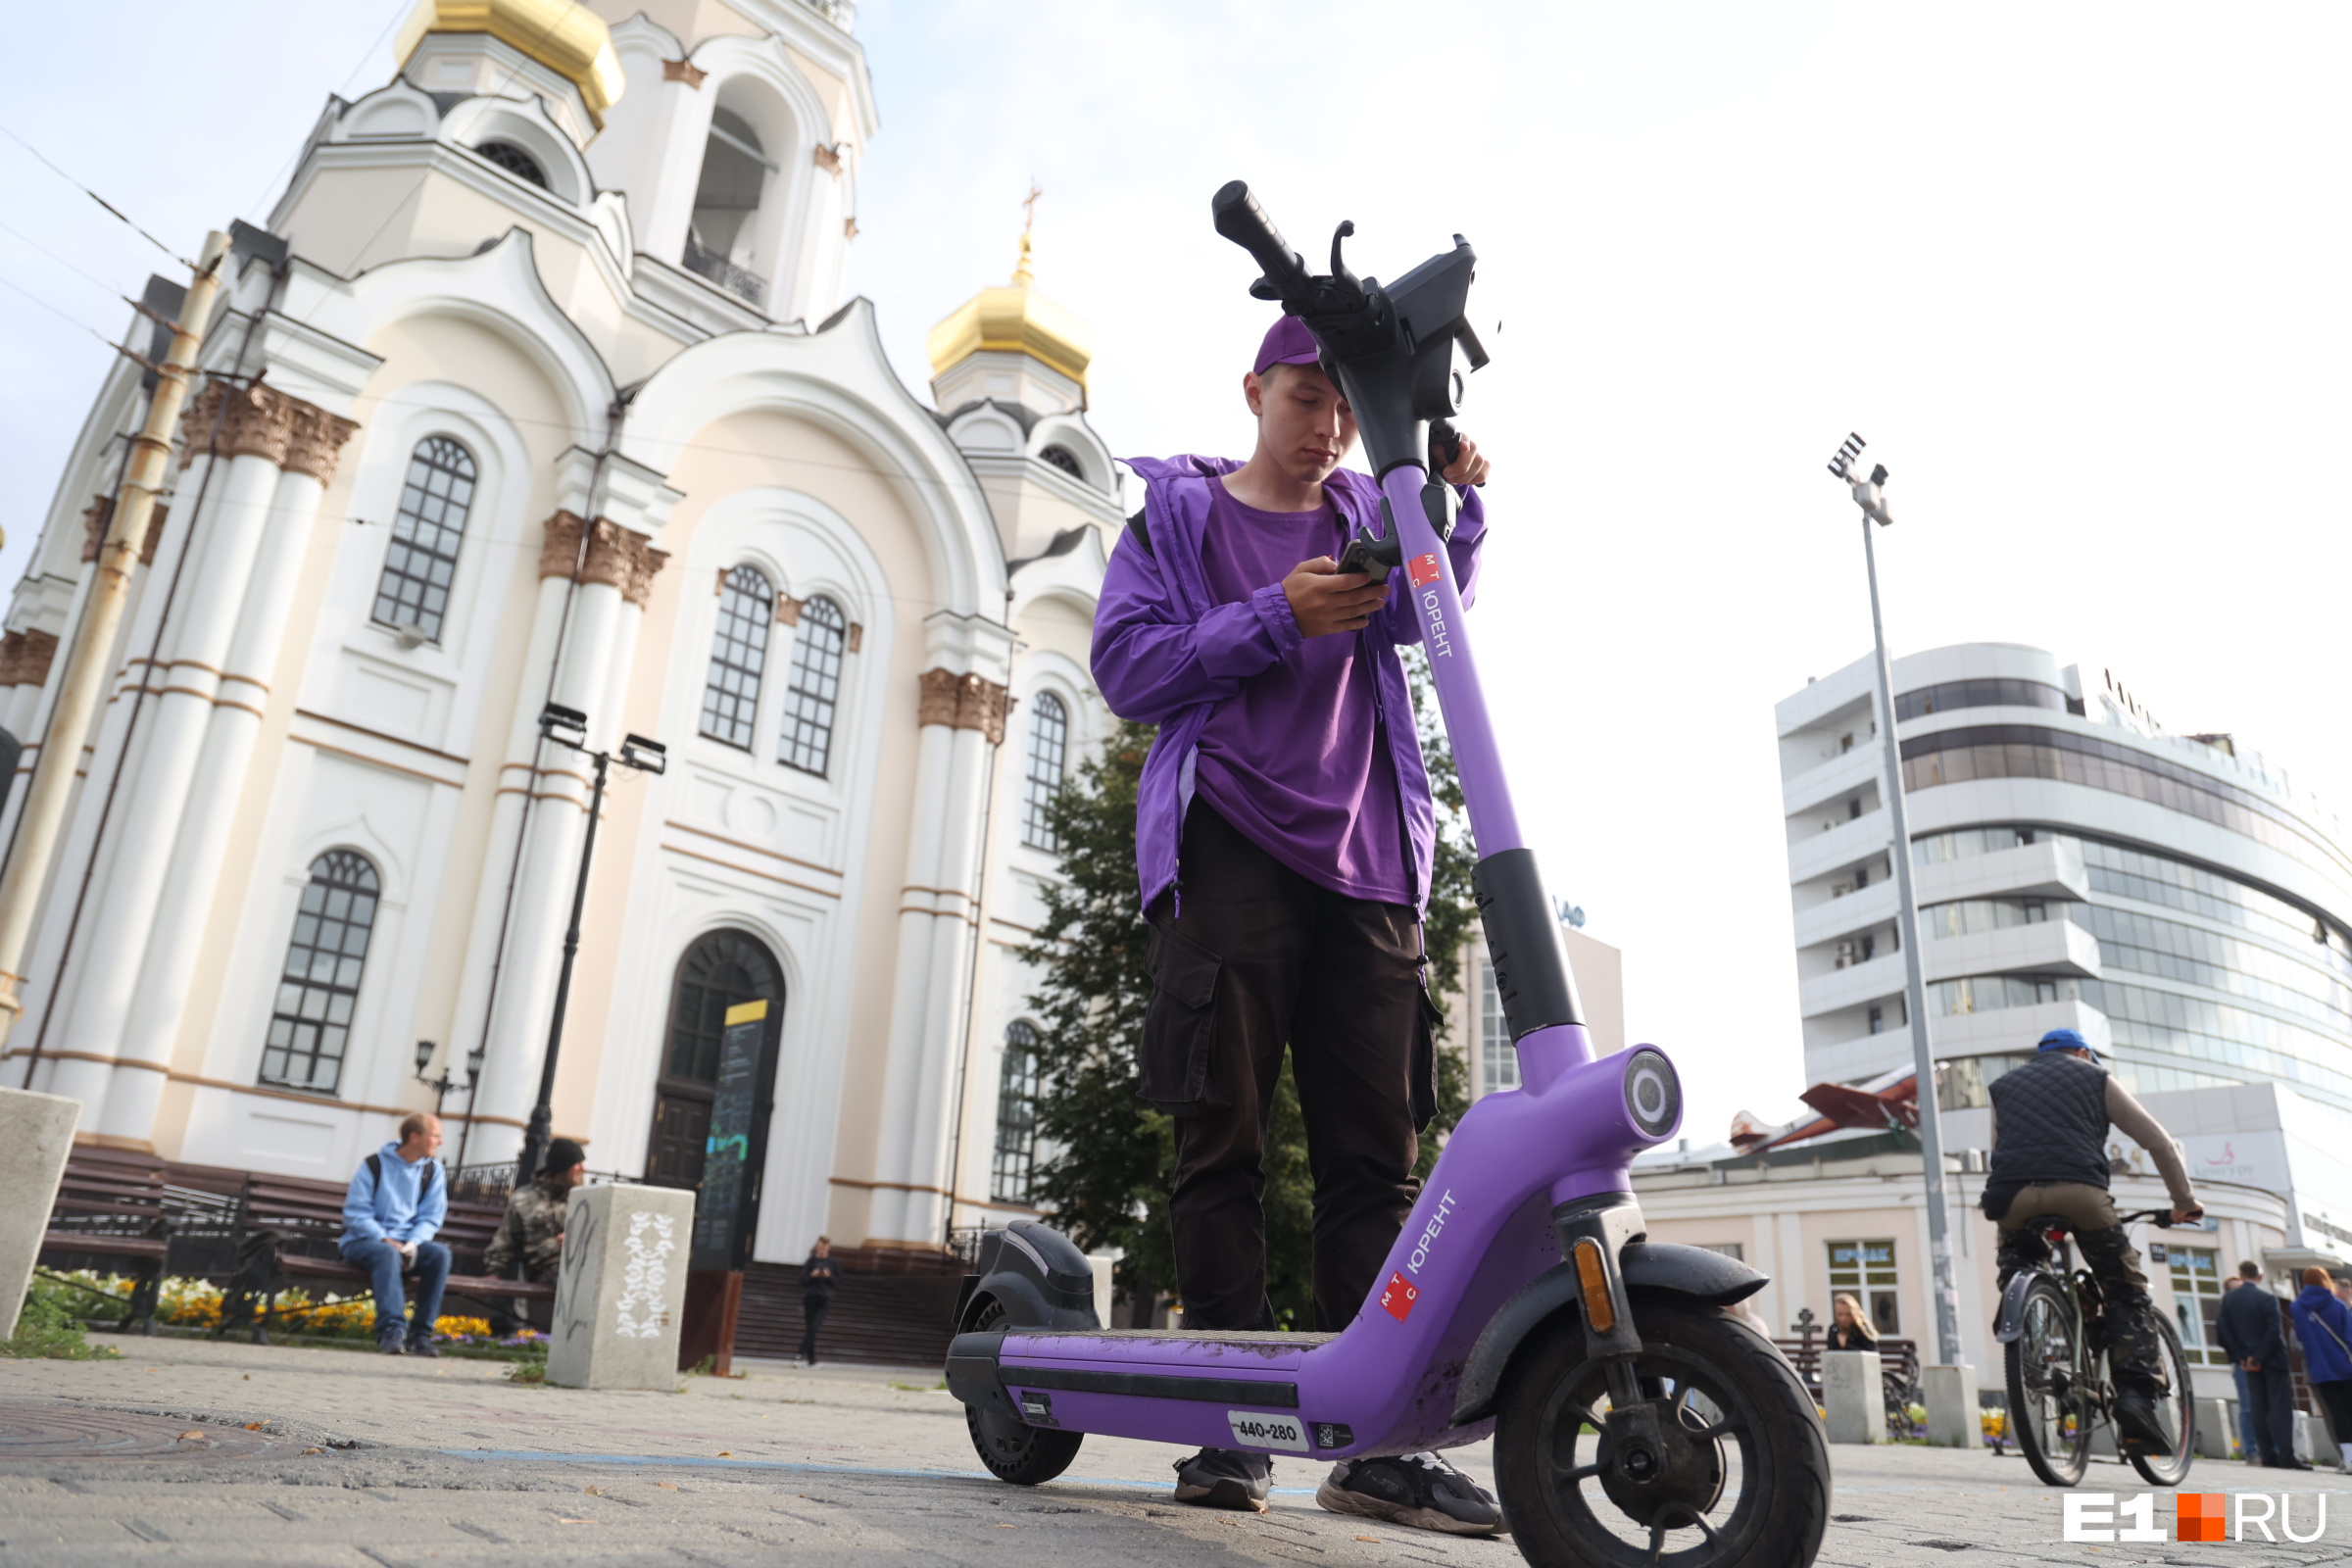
x,y
697,1462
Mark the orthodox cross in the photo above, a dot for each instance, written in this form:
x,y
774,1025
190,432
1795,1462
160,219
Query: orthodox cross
x,y
1029,208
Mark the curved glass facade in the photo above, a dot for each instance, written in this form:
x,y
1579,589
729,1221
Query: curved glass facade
x,y
2025,751
1988,692
2279,983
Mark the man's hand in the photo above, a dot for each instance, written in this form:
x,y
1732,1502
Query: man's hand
x,y
1468,468
406,1249
1324,599
2252,1365
2190,1215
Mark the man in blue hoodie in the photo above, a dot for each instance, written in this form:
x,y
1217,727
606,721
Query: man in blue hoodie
x,y
397,1201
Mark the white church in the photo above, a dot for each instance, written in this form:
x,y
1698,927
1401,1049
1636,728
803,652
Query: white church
x,y
542,386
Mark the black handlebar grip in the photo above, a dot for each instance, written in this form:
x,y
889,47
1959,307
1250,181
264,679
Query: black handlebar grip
x,y
1241,220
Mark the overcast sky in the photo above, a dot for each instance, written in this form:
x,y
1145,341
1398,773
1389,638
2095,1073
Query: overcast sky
x,y
2076,272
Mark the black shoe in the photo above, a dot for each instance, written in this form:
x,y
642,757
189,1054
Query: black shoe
x,y
1225,1478
423,1347
1417,1489
2136,1425
2286,1464
391,1341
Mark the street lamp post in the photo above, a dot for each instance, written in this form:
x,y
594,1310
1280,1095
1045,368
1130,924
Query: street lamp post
x,y
442,1085
1870,494
568,726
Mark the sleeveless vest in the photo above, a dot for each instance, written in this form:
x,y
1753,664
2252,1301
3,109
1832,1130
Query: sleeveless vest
x,y
2051,1116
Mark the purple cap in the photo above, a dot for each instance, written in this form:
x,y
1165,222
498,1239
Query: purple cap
x,y
1288,342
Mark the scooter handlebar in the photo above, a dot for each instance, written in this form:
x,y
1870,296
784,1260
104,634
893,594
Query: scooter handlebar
x,y
1240,219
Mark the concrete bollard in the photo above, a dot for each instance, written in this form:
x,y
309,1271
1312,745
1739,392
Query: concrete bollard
x,y
1100,1263
2313,1444
1953,1413
621,1299
36,1134
1852,1391
2215,1420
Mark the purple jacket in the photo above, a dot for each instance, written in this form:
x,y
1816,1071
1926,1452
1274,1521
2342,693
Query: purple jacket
x,y
1165,655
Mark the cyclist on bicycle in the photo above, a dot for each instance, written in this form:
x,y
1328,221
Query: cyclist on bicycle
x,y
2050,1156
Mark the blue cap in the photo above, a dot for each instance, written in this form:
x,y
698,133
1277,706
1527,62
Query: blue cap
x,y
2066,1040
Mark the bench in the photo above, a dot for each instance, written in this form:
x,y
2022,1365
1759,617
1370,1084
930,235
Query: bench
x,y
1898,1371
109,1213
288,1229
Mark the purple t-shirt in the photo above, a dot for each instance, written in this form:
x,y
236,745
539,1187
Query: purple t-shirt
x,y
1295,760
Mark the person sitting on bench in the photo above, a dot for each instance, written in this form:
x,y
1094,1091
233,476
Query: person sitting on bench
x,y
397,1201
532,1228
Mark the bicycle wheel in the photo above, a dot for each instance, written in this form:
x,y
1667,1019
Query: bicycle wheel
x,y
2048,1371
2176,1412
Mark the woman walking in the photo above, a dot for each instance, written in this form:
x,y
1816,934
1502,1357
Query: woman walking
x,y
2325,1325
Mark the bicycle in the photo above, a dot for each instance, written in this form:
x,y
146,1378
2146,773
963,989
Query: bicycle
x,y
2059,1387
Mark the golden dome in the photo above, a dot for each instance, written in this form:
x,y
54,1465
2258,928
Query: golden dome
x,y
1015,318
569,40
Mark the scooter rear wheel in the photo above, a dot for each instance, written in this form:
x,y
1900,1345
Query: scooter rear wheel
x,y
1743,1476
1012,1449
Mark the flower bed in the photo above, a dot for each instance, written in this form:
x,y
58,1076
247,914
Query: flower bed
x,y
193,1305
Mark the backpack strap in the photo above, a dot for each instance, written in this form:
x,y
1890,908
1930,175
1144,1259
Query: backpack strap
x,y
1138,532
375,1168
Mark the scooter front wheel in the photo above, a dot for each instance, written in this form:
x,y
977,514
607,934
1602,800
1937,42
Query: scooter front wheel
x,y
1727,1465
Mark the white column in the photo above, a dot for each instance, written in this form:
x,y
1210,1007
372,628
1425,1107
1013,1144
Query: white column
x,y
150,1023
483,945
960,712
615,575
146,817
551,860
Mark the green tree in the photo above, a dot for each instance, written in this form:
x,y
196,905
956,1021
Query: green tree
x,y
1110,1154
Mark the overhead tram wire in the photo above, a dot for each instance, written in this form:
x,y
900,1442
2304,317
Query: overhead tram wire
x,y
100,200
70,266
400,9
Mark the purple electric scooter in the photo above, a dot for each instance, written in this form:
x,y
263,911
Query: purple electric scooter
x,y
1636,1420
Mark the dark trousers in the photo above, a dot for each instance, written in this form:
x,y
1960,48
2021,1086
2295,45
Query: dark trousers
x,y
813,1308
1271,959
2107,1249
382,1264
2270,1392
2334,1399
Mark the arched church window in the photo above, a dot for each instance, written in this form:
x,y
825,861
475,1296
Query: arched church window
x,y
1049,752
514,161
1066,459
721,970
422,561
747,609
720,238
320,985
814,692
1015,1160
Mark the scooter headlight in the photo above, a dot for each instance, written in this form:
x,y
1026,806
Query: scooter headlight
x,y
1653,1093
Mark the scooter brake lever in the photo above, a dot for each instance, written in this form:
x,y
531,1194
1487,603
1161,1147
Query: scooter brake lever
x,y
1376,557
1445,447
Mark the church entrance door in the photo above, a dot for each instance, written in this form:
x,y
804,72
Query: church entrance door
x,y
719,971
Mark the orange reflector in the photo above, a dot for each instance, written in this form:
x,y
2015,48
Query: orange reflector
x,y
1592,1273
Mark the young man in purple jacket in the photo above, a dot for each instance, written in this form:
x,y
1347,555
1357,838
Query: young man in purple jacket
x,y
1283,839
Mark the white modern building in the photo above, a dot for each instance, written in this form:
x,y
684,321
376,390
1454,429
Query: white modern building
x,y
542,385
2170,895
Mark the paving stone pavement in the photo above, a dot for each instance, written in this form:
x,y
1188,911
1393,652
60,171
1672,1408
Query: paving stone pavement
x,y
241,1454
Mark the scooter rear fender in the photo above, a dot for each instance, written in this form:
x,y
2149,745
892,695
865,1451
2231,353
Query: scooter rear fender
x,y
1039,1276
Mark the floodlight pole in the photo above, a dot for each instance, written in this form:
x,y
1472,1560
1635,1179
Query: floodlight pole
x,y
1946,1287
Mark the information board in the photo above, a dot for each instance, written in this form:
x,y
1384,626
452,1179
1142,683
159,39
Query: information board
x,y
727,1208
